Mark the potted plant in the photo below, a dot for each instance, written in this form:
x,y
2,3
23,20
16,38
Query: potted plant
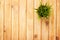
x,y
43,12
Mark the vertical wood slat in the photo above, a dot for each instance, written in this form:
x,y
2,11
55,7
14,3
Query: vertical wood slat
x,y
52,23
22,20
30,20
58,20
1,18
37,22
45,25
7,20
44,30
14,19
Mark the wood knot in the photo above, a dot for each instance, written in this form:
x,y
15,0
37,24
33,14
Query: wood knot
x,y
57,38
11,6
4,29
35,36
47,22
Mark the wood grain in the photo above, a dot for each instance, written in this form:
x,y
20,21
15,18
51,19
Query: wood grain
x,y
22,20
44,30
37,22
30,20
14,19
7,20
19,20
58,20
52,22
1,18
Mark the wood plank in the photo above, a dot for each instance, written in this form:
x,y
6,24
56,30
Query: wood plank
x,y
30,20
52,22
58,20
45,25
22,20
7,20
1,19
14,19
37,22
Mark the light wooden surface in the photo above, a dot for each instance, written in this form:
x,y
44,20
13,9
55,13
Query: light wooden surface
x,y
14,19
52,20
7,20
22,20
19,20
58,20
37,22
30,25
1,18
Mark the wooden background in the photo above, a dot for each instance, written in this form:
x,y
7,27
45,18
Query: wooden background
x,y
19,20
